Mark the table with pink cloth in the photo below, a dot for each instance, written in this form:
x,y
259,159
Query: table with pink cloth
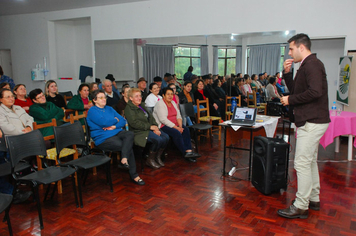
x,y
344,124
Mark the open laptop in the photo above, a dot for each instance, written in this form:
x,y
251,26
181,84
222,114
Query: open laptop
x,y
244,116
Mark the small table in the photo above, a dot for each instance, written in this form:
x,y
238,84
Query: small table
x,y
343,124
267,128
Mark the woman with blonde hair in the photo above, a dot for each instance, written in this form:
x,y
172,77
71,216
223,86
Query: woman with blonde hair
x,y
51,92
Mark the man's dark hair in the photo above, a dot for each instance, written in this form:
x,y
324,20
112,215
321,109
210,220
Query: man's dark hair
x,y
1,71
167,75
33,94
299,39
272,79
246,76
190,68
157,79
253,76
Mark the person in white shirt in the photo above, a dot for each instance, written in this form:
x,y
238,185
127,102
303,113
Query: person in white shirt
x,y
153,97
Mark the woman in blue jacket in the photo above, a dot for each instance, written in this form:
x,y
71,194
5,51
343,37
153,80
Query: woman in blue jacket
x,y
107,131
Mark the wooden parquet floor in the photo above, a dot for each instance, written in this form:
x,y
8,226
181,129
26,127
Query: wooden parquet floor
x,y
193,199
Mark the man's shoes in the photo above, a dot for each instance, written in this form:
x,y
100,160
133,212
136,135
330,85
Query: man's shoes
x,y
312,205
191,159
139,181
21,196
192,154
124,166
292,212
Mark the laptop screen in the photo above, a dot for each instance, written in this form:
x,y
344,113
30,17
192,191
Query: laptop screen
x,y
244,114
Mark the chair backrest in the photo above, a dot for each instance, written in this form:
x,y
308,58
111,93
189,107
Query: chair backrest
x,y
205,104
186,109
228,102
67,98
67,93
69,135
25,145
253,99
53,123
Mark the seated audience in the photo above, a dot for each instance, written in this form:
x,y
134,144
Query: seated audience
x,y
247,85
175,96
141,84
114,86
13,119
92,87
186,95
81,101
112,97
5,85
43,111
21,97
120,106
202,94
51,91
153,96
107,131
145,128
168,118
272,90
7,79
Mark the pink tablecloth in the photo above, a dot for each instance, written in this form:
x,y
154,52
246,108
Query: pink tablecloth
x,y
340,125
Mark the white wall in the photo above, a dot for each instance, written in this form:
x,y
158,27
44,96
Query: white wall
x,y
27,35
117,57
329,52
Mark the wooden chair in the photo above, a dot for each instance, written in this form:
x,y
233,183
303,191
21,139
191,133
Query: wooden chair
x,y
67,113
228,111
207,118
252,102
67,98
52,152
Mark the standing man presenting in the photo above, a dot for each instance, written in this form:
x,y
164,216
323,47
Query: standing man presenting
x,y
309,98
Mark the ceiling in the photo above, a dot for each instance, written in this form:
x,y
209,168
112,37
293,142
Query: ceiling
x,y
14,7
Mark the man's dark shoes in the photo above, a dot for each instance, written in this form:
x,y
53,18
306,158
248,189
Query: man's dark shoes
x,y
124,166
139,181
312,205
190,156
292,212
21,196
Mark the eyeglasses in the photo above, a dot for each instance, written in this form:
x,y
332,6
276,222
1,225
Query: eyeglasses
x,y
40,96
8,97
101,97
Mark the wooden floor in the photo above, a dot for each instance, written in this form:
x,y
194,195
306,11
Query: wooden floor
x,y
194,199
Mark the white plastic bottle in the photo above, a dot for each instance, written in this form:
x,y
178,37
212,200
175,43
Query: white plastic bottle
x,y
333,109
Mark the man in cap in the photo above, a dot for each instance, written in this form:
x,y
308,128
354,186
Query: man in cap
x,y
141,84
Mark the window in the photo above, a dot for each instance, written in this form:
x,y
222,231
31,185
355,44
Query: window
x,y
226,61
185,57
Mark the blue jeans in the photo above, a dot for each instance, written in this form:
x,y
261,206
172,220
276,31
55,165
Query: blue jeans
x,y
181,140
158,142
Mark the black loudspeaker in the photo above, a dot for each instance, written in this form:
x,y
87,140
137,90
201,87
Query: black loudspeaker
x,y
270,164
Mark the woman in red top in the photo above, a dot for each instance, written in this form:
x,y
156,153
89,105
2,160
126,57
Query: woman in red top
x,y
168,118
21,97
